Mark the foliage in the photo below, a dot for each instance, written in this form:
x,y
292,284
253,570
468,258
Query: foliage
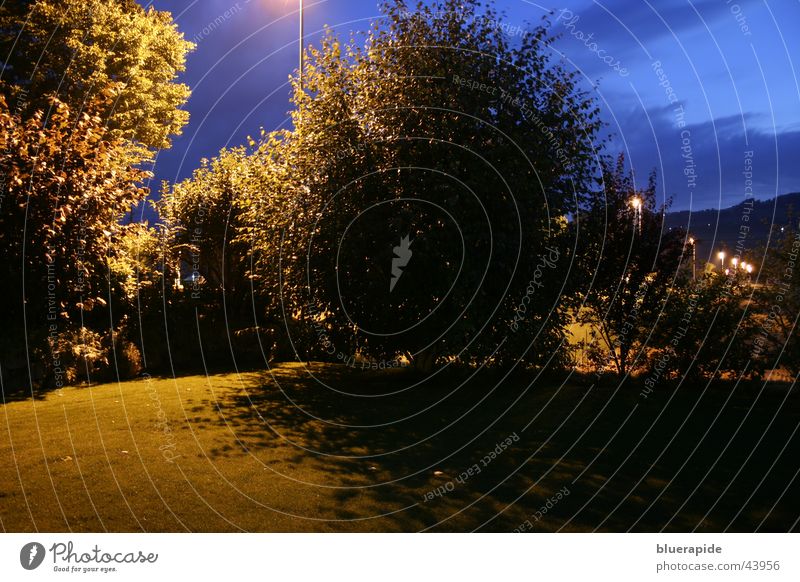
x,y
706,330
136,267
202,215
777,302
85,51
87,88
80,352
65,190
389,143
626,262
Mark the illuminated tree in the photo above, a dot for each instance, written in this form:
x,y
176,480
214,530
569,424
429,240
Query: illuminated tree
x,y
66,189
84,51
626,265
391,141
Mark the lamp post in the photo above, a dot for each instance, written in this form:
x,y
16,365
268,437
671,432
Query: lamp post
x,y
721,257
636,202
301,45
694,256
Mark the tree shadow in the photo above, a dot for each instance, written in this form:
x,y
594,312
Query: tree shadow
x,y
395,453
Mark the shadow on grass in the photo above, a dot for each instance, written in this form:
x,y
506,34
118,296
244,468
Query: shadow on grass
x,y
674,461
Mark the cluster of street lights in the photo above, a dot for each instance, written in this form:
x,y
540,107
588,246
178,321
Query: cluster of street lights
x,y
735,264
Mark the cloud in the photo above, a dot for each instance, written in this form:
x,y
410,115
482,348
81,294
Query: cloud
x,y
629,30
717,151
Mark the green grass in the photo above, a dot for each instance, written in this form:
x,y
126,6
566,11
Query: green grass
x,y
362,459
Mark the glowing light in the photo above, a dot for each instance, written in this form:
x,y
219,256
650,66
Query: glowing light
x,y
636,202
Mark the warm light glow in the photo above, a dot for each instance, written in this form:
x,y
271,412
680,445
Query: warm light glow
x,y
691,240
743,265
721,255
636,202
734,262
749,268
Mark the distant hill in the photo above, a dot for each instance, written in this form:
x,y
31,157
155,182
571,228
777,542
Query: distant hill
x,y
719,229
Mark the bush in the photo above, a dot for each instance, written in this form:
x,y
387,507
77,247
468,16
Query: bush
x,y
128,360
77,354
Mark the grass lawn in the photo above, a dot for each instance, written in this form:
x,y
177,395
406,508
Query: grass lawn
x,y
327,448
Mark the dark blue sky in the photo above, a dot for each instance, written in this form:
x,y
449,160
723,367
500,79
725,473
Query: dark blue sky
x,y
728,66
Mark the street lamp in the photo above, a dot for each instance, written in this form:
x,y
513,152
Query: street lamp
x,y
636,202
734,262
301,45
694,255
721,257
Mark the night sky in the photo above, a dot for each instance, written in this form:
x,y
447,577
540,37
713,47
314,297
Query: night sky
x,y
727,83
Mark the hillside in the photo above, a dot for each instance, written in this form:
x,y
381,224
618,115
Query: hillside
x,y
719,229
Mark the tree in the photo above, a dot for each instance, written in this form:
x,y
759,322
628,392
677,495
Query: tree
x,y
202,218
705,330
776,339
137,267
439,133
627,264
85,51
66,189
87,87
203,212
